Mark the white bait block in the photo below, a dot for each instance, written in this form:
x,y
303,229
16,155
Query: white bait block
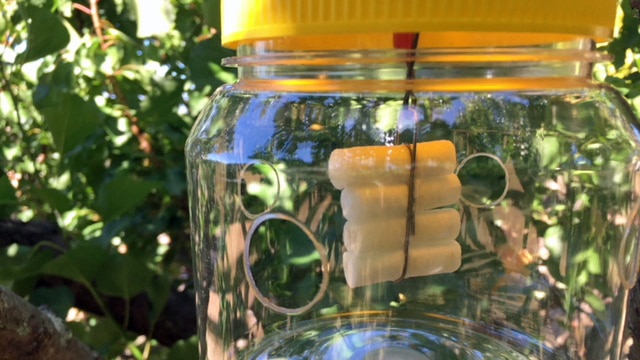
x,y
376,237
377,186
377,200
440,258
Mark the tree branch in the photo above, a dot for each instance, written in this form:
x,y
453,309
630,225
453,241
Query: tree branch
x,y
95,18
29,333
144,141
29,234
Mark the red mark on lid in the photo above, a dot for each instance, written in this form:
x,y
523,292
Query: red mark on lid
x,y
405,40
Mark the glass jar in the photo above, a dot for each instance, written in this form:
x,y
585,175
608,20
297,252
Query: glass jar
x,y
414,195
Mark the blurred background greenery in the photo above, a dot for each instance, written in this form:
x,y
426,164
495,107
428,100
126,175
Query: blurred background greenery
x,y
96,101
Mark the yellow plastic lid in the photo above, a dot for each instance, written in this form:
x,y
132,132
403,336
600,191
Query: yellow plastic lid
x,y
331,24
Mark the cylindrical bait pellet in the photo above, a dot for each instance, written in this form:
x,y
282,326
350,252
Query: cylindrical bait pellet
x,y
389,164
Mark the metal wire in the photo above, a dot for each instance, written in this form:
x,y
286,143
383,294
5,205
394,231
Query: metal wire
x,y
409,101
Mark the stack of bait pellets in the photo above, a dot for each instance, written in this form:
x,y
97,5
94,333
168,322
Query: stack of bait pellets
x,y
375,195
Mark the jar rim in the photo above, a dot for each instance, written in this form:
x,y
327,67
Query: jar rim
x,y
269,54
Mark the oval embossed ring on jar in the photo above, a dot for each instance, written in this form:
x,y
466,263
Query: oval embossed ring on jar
x,y
414,180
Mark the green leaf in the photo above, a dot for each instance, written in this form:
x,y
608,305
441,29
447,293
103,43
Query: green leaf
x,y
3,24
592,259
71,121
550,152
7,192
175,181
128,276
19,262
47,34
52,87
58,299
184,350
40,3
159,104
596,302
101,334
211,13
159,291
121,194
203,63
81,264
54,197
553,240
620,84
7,108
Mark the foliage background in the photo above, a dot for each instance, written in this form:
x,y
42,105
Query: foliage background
x,y
96,101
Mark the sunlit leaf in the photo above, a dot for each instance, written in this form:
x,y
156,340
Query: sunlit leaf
x,y
596,302
154,17
549,154
3,24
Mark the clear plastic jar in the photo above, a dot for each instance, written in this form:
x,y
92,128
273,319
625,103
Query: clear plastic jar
x,y
471,202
